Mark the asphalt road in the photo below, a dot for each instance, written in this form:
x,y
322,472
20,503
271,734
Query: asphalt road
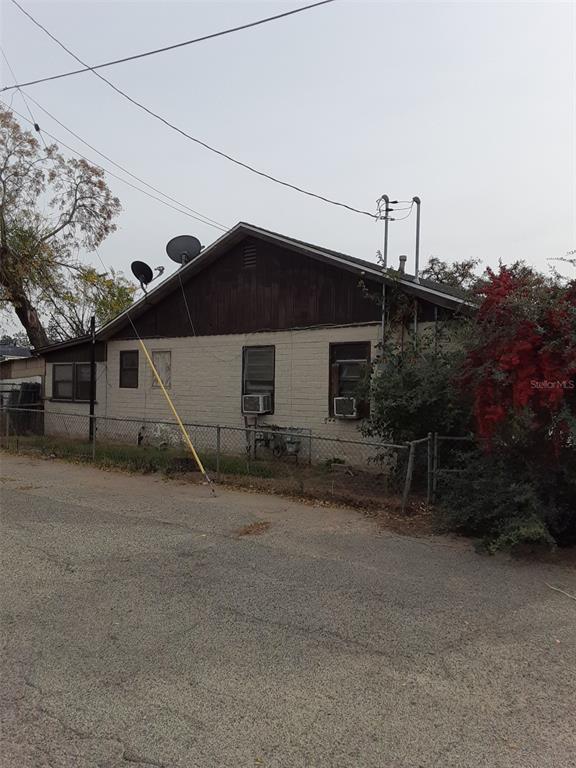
x,y
139,629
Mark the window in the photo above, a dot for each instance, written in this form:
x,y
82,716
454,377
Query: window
x,y
129,369
82,381
348,364
258,371
71,381
63,381
163,364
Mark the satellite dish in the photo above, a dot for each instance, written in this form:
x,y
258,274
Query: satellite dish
x,y
142,273
183,248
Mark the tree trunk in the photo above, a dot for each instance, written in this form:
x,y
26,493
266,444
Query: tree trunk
x,y
28,316
21,304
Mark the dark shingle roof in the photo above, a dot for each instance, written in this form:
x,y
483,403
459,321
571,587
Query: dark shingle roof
x,y
9,350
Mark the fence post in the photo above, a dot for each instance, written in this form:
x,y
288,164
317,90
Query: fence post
x,y
435,468
93,428
429,474
218,453
408,481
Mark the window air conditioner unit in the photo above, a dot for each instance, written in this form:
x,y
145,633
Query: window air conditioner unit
x,y
345,408
255,404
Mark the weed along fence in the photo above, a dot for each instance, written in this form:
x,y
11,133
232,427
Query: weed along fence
x,y
292,460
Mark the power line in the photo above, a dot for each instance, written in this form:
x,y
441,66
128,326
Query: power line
x,y
24,99
115,176
401,218
202,39
125,170
27,97
174,127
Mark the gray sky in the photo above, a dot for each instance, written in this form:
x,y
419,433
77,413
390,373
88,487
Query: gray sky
x,y
471,106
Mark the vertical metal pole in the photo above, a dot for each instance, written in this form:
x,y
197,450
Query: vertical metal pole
x,y
92,376
435,468
93,428
408,482
218,453
386,212
429,476
435,329
384,268
417,249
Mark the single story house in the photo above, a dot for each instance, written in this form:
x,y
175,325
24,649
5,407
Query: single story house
x,y
259,328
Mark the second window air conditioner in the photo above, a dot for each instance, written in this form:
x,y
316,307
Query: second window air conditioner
x,y
256,404
345,408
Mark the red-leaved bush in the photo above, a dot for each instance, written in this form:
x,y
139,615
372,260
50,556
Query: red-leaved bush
x,y
522,359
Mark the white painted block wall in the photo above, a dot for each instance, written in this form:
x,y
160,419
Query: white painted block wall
x,y
206,388
207,379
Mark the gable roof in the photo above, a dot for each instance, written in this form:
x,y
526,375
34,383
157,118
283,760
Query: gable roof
x,y
428,290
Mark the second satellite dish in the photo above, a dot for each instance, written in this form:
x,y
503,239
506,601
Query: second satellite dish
x,y
142,272
183,248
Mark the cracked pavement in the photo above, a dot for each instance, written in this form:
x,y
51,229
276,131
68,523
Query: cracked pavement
x,y
139,629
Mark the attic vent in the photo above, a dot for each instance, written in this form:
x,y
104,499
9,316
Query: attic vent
x,y
249,256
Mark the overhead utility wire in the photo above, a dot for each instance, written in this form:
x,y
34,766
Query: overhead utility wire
x,y
24,99
122,168
119,178
190,137
183,44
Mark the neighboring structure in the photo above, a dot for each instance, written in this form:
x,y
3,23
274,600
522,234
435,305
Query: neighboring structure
x,y
257,322
13,352
21,376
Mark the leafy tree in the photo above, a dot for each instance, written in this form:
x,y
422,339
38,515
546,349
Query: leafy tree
x,y
460,274
50,207
68,310
18,339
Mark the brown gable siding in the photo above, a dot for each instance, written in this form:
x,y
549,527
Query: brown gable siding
x,y
259,286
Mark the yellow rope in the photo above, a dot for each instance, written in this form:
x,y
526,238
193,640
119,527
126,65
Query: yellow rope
x,y
174,411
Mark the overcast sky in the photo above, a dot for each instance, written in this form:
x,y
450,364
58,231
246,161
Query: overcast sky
x,y
471,106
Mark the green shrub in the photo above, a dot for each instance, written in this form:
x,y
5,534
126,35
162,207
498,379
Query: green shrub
x,y
509,502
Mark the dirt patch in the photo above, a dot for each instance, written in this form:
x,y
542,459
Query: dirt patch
x,y
254,529
416,521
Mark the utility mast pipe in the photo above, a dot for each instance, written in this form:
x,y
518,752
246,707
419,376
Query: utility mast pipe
x,y
417,249
384,267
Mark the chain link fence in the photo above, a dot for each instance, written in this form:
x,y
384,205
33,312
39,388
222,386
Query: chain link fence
x,y
271,458
358,472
